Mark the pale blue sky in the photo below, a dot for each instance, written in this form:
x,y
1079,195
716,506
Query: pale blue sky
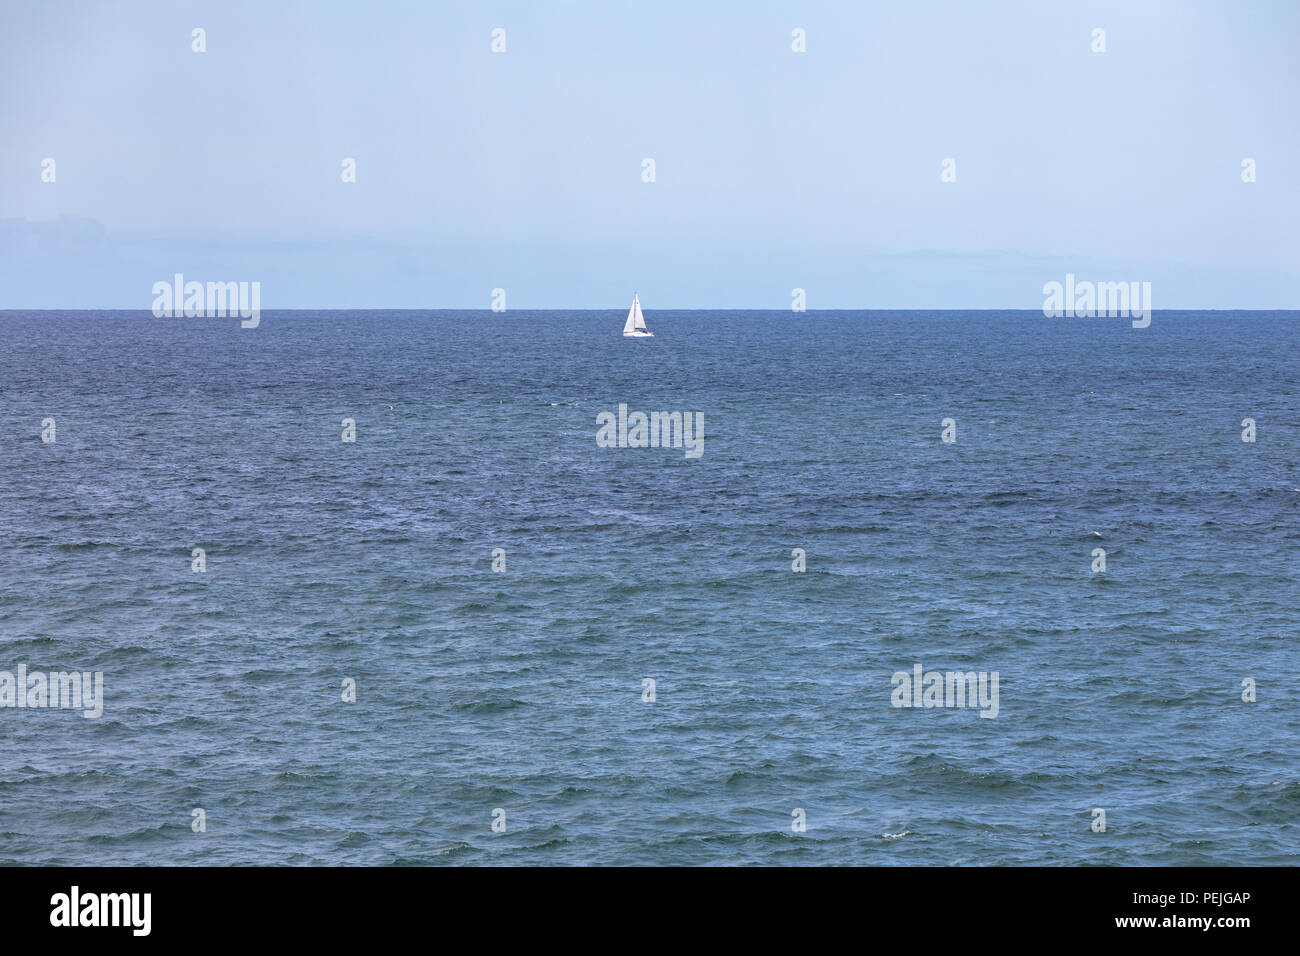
x,y
775,169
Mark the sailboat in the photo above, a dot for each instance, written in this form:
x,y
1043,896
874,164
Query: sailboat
x,y
635,324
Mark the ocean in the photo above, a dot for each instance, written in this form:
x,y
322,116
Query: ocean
x,y
497,590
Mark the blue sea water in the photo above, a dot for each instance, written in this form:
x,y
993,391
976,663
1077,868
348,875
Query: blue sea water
x,y
522,690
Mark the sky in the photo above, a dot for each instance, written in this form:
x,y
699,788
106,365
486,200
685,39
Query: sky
x,y
773,169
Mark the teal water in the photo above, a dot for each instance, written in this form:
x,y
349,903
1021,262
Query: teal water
x,y
522,689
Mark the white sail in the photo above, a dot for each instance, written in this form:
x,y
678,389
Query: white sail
x,y
635,324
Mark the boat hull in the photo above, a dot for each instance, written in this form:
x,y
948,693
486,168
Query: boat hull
x,y
637,334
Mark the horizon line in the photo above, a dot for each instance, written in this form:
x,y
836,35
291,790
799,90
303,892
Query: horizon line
x,y
491,311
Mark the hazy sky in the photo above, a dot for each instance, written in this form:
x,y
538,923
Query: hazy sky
x,y
774,169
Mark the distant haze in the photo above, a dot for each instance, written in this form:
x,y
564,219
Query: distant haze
x,y
774,169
